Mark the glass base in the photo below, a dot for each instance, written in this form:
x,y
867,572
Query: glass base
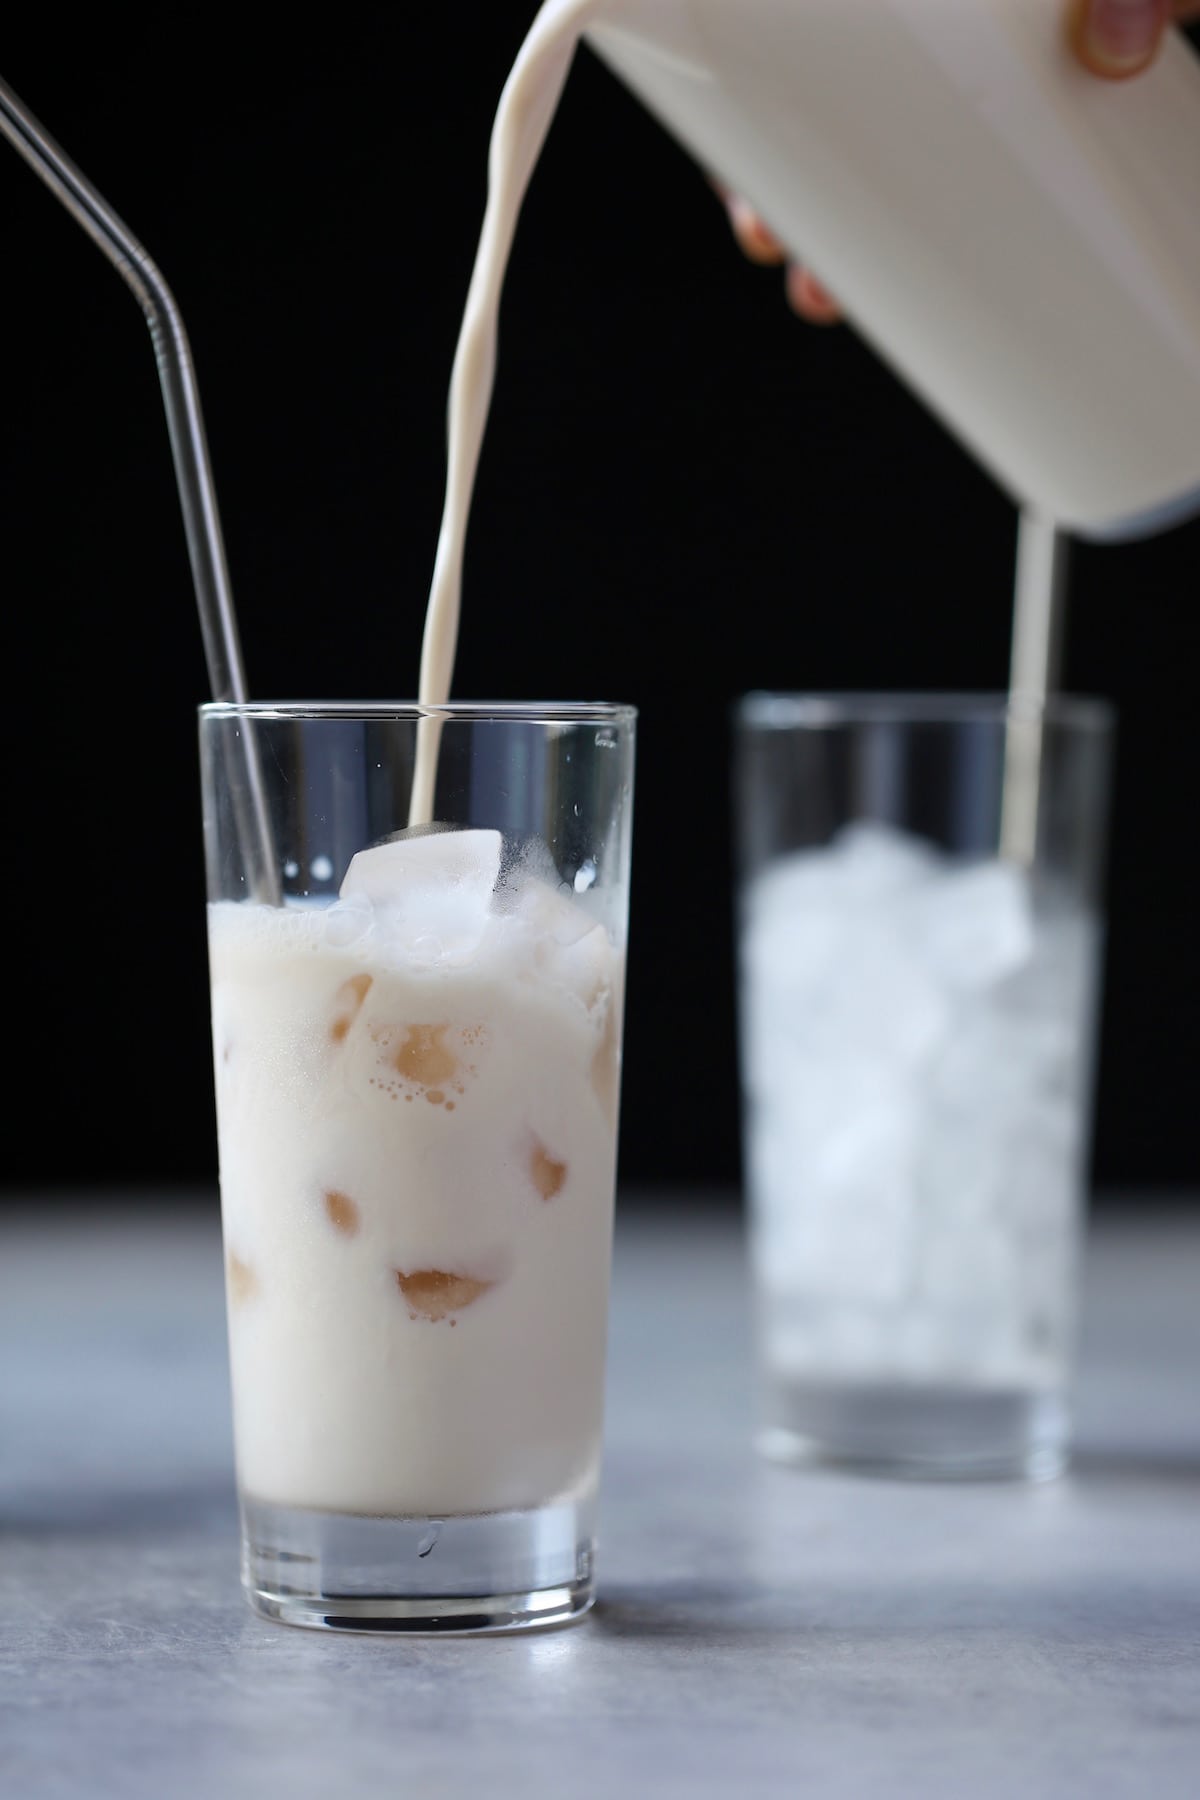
x,y
923,1431
486,1572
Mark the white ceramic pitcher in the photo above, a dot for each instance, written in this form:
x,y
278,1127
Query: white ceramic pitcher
x,y
1017,239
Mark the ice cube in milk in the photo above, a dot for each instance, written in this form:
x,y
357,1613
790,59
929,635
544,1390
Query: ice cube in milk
x,y
416,1102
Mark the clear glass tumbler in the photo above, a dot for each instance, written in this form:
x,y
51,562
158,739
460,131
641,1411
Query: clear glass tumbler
x,y
918,1006
417,1046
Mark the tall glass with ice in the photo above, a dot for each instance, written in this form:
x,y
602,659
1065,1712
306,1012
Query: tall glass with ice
x,y
918,1020
417,1047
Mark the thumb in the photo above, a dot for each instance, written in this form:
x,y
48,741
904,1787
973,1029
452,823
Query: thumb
x,y
1117,38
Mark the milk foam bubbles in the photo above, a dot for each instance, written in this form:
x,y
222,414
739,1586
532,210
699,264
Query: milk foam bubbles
x,y
417,1132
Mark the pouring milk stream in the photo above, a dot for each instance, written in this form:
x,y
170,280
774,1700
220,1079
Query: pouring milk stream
x,y
1018,240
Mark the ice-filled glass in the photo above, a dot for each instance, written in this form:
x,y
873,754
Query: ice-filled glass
x,y
918,1024
417,1048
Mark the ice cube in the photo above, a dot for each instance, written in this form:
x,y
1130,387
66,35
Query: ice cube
x,y
432,894
605,1069
823,956
436,1293
960,1171
1043,1185
831,1159
865,864
424,1058
973,926
347,1004
791,939
241,1280
999,1067
551,912
545,1170
341,1211
875,859
467,861
1059,980
568,945
969,1265
870,1000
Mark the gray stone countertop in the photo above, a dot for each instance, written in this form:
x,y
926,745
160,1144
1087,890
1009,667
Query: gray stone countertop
x,y
760,1631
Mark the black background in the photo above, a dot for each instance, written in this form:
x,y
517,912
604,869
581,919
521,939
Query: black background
x,y
685,493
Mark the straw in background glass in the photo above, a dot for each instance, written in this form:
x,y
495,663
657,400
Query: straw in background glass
x,y
1042,553
189,448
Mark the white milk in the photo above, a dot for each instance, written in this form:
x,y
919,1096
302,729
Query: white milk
x,y
416,1101
523,117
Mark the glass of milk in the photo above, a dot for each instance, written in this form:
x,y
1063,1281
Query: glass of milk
x,y
417,1049
918,1022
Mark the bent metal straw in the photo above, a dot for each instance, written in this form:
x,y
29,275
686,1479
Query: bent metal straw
x,y
189,448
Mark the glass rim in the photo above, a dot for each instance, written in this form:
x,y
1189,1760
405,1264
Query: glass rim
x,y
531,712
769,709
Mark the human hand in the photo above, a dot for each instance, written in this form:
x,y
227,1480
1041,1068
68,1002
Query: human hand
x,y
1113,38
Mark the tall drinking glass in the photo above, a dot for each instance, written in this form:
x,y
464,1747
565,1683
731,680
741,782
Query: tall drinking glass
x,y
917,1015
417,1061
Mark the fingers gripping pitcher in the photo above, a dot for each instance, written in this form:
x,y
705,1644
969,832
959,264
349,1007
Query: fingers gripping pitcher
x,y
1018,240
